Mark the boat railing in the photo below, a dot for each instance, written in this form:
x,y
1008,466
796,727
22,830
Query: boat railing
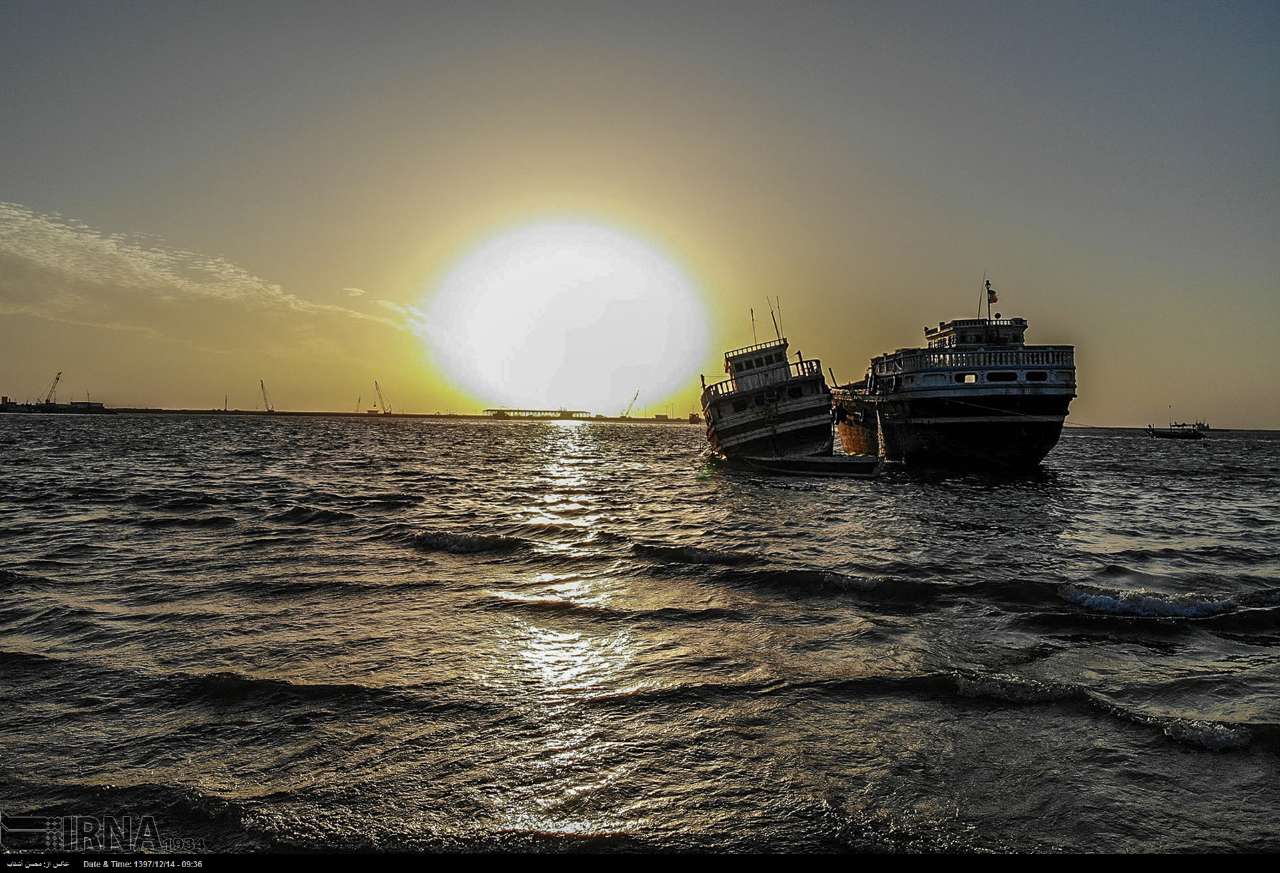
x,y
944,359
797,370
757,347
977,322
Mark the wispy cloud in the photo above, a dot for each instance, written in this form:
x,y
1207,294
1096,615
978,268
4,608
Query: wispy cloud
x,y
411,317
354,292
64,270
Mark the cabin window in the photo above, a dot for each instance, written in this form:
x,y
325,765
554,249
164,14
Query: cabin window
x,y
966,378
1037,376
1003,376
740,405
795,391
737,368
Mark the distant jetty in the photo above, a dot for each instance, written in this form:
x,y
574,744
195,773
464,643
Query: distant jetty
x,y
75,407
95,408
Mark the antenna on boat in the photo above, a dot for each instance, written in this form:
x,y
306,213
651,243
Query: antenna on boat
x,y
981,289
778,301
774,317
754,341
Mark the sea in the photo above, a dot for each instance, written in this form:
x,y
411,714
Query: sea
x,y
278,633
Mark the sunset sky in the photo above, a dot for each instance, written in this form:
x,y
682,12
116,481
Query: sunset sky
x,y
197,196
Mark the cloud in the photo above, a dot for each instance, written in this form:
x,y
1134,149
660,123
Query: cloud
x,y
354,292
64,270
411,317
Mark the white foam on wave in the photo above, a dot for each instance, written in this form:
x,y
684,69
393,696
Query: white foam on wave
x,y
1147,604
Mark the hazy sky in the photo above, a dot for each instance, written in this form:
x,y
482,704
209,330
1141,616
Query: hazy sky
x,y
201,195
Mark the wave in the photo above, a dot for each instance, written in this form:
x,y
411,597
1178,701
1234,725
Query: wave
x,y
1136,606
94,493
1244,555
196,812
467,544
572,609
1245,619
955,685
56,620
807,581
28,661
691,554
226,688
1026,592
312,515
1144,603
12,578
293,587
162,521
1206,734
390,500
173,499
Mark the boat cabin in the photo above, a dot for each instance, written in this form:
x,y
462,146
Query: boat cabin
x,y
757,366
976,332
768,406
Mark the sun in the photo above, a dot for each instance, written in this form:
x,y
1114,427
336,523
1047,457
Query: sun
x,y
567,314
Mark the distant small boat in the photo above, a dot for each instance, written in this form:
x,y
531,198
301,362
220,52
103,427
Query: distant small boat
x,y
845,466
1180,431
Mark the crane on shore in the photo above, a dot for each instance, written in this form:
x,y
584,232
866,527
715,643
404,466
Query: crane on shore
x,y
52,393
381,404
266,401
634,398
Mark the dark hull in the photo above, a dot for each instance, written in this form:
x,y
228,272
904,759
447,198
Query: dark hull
x,y
1004,432
1005,446
814,440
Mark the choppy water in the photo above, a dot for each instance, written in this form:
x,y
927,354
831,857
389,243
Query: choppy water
x,y
300,633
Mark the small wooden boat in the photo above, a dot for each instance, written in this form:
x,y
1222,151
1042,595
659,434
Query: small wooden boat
x,y
1175,432
845,466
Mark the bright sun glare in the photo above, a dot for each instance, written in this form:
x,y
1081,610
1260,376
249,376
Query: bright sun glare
x,y
567,315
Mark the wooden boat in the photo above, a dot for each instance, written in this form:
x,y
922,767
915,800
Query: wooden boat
x,y
977,397
768,407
